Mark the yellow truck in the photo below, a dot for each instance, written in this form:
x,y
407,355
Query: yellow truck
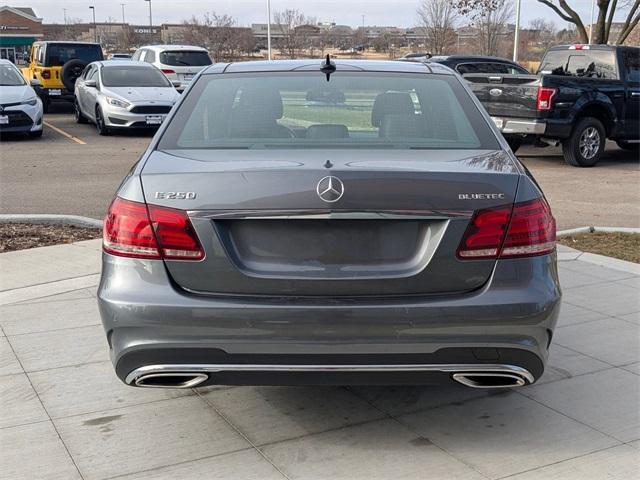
x,y
57,65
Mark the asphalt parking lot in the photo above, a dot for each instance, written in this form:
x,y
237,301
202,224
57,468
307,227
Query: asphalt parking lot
x,y
72,170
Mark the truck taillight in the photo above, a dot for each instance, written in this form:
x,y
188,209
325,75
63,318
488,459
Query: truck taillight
x,y
46,74
131,229
525,230
545,98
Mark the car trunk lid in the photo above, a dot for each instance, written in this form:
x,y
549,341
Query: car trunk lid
x,y
266,230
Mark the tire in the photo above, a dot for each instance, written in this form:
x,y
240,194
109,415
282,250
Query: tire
x,y
100,126
71,71
36,134
585,146
630,147
514,143
80,118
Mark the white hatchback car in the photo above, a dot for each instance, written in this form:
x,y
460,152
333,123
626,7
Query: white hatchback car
x,y
178,62
123,94
20,107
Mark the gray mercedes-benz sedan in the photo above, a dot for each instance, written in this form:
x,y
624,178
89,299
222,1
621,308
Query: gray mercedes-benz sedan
x,y
307,222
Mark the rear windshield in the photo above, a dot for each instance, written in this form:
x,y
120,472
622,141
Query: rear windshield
x,y
133,77
59,54
288,110
194,58
580,63
10,76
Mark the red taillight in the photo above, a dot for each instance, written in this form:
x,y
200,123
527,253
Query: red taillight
x,y
545,98
524,230
132,230
46,74
168,71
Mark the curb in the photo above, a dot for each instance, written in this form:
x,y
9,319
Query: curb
x,y
49,219
573,231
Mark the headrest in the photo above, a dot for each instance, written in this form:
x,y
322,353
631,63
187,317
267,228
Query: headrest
x,y
389,103
261,103
329,130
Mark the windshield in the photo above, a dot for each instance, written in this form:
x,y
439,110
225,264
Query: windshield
x,y
196,58
366,110
59,54
580,63
133,77
10,77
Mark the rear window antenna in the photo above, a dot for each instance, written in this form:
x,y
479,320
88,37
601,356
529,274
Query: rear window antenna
x,y
328,67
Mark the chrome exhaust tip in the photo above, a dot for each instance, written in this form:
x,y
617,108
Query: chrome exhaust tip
x,y
490,379
170,380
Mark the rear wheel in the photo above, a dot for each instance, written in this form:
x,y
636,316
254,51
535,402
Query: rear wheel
x,y
100,126
586,144
80,118
631,147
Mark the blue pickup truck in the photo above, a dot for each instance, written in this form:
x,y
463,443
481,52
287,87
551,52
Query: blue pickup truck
x,y
581,96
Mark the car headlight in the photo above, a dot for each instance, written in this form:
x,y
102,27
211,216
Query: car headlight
x,y
32,101
117,103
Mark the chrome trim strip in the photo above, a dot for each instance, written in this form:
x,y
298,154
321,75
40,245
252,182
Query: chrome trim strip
x,y
462,368
329,214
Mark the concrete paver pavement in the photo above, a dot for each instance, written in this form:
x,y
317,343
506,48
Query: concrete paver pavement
x,y
65,415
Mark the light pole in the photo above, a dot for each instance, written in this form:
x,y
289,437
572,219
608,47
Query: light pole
x,y
95,28
593,6
122,5
150,17
64,10
269,29
516,37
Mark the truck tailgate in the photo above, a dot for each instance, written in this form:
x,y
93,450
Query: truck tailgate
x,y
506,95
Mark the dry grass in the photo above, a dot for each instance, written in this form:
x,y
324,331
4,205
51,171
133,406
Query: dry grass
x,y
625,246
20,236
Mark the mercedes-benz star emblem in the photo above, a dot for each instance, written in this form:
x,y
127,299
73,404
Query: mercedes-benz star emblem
x,y
330,189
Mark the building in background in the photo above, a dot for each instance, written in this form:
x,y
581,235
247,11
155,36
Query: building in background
x,y
19,28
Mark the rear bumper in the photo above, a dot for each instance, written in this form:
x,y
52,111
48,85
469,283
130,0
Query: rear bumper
x,y
520,126
55,94
151,323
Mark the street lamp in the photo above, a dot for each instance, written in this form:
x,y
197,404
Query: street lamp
x,y
150,17
269,29
122,5
95,29
516,37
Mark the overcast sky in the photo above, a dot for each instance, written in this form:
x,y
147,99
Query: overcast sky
x,y
377,12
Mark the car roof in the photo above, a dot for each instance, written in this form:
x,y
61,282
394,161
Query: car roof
x,y
486,58
114,62
174,47
69,42
314,64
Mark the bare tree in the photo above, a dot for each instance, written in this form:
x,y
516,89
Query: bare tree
x,y
606,10
490,17
437,19
287,22
218,34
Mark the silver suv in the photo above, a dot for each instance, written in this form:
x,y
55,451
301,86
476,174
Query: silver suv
x,y
180,63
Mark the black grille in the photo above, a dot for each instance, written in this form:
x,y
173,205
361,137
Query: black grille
x,y
17,119
151,109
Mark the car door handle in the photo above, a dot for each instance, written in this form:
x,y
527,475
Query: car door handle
x,y
635,94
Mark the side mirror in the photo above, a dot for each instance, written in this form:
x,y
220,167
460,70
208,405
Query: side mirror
x,y
176,83
35,82
90,83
